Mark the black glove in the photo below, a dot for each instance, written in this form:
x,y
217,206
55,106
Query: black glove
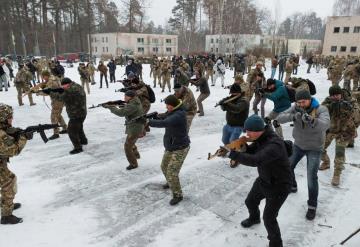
x,y
306,118
124,90
57,90
276,124
267,120
29,135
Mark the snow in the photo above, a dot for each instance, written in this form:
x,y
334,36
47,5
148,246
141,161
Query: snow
x,y
90,199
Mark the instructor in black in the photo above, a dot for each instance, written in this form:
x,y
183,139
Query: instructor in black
x,y
268,153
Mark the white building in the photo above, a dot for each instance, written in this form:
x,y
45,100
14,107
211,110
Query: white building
x,y
297,46
115,44
342,36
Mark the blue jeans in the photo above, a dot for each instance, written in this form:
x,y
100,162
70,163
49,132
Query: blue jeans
x,y
273,72
313,162
281,75
230,133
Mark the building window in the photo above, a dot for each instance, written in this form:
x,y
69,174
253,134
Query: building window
x,y
155,49
336,29
95,48
212,49
343,48
357,29
140,40
212,41
141,49
103,39
353,49
333,48
155,41
217,40
233,40
103,49
168,49
346,29
228,41
217,49
107,49
168,41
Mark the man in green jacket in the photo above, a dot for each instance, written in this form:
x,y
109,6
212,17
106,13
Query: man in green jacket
x,y
130,110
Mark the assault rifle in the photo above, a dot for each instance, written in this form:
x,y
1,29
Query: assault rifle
x,y
115,103
17,132
45,90
227,100
151,115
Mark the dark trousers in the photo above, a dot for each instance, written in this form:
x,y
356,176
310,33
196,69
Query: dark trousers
x,y
271,210
76,132
101,79
112,77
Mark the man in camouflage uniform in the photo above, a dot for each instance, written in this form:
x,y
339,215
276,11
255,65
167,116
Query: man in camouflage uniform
x,y
356,74
209,65
187,98
181,78
342,128
289,66
298,84
142,92
74,99
257,81
91,70
22,84
245,87
84,77
57,106
157,71
131,110
176,143
9,146
166,75
335,71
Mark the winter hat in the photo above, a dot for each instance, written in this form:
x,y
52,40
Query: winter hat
x,y
302,94
333,90
239,77
235,88
270,82
172,100
177,86
254,123
130,93
65,81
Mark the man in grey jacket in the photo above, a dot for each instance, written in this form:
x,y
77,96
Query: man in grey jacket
x,y
311,121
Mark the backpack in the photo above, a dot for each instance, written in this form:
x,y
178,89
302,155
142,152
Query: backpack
x,y
291,92
151,94
312,87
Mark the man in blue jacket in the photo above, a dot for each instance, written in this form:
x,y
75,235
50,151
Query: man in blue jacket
x,y
277,93
176,143
112,68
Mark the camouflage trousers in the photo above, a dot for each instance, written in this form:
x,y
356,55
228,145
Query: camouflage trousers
x,y
8,189
287,77
259,99
131,151
23,87
347,84
157,77
340,146
166,81
189,119
85,82
170,166
56,118
335,80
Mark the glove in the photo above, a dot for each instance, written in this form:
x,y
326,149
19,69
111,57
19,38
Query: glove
x,y
29,135
223,151
58,90
306,118
267,120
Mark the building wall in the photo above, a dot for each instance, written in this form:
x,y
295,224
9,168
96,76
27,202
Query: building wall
x,y
342,32
115,44
297,46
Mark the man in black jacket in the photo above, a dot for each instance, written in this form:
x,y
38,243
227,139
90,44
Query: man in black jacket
x,y
176,143
268,153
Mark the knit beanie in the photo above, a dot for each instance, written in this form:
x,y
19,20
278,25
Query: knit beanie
x,y
302,94
333,90
254,123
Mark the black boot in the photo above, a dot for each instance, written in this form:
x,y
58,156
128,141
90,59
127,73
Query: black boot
x,y
350,145
11,220
250,222
17,205
130,167
84,142
166,186
76,151
63,132
175,200
310,214
54,136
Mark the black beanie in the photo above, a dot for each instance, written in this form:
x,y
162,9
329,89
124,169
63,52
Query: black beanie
x,y
333,90
65,81
270,82
302,94
172,100
235,88
130,93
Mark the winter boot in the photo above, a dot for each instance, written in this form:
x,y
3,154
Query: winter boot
x,y
324,166
64,131
310,214
166,186
175,200
350,145
16,205
250,222
11,220
130,167
54,136
335,180
76,151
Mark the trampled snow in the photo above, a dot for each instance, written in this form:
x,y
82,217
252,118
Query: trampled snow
x,y
90,199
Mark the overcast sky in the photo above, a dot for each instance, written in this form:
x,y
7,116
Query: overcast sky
x,y
160,10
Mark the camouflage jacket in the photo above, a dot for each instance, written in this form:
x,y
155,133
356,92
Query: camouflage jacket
x,y
23,76
91,69
188,101
84,73
131,110
246,91
251,78
9,146
74,99
289,66
299,84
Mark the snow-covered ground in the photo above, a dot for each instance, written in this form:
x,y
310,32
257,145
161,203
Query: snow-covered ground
x,y
90,199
